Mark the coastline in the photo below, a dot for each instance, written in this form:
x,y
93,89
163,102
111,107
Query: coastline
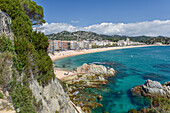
x,y
69,53
63,73
74,92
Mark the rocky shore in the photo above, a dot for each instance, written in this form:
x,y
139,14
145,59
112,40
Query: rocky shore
x,y
152,88
87,76
158,93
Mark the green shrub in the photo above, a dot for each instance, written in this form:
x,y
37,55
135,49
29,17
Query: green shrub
x,y
6,44
1,96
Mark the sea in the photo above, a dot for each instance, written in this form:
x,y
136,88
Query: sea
x,y
133,65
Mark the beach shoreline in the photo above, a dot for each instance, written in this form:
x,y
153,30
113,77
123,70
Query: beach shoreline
x,y
62,73
69,53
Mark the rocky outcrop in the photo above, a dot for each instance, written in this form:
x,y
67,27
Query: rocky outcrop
x,y
84,77
90,75
5,102
95,69
160,96
152,88
5,22
53,97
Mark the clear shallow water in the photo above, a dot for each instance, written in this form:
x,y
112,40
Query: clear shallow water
x,y
134,66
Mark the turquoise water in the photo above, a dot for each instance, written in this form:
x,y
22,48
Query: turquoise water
x,y
134,66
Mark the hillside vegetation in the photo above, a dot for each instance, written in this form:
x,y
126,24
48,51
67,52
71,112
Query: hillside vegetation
x,y
84,35
27,52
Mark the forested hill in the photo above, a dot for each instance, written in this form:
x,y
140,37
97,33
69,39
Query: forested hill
x,y
84,35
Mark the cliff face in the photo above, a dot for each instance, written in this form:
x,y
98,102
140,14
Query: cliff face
x,y
53,97
50,98
5,22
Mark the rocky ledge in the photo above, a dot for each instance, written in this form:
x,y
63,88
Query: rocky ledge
x,y
88,76
152,88
91,75
94,69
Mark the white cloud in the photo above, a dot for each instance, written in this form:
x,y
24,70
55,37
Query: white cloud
x,y
75,21
153,28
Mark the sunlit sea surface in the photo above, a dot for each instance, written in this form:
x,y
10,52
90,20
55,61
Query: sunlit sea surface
x,y
134,66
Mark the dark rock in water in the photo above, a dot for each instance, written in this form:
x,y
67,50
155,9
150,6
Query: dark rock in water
x,y
133,69
167,83
110,64
100,98
162,66
63,65
136,91
166,71
154,76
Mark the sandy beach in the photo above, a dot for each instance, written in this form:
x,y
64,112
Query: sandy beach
x,y
61,73
63,54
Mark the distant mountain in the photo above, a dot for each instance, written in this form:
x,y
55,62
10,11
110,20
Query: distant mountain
x,y
84,35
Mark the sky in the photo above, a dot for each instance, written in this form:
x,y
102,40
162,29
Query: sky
x,y
112,17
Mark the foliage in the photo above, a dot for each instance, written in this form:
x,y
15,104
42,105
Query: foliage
x,y
63,84
34,11
6,44
83,35
5,57
22,98
158,105
1,96
28,43
29,52
56,112
5,68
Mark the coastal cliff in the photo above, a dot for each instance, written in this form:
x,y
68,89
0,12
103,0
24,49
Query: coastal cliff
x,y
27,80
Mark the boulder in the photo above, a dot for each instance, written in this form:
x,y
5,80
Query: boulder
x,y
95,69
153,84
151,88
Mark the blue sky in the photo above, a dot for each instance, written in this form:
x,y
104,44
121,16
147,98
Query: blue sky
x,y
86,13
